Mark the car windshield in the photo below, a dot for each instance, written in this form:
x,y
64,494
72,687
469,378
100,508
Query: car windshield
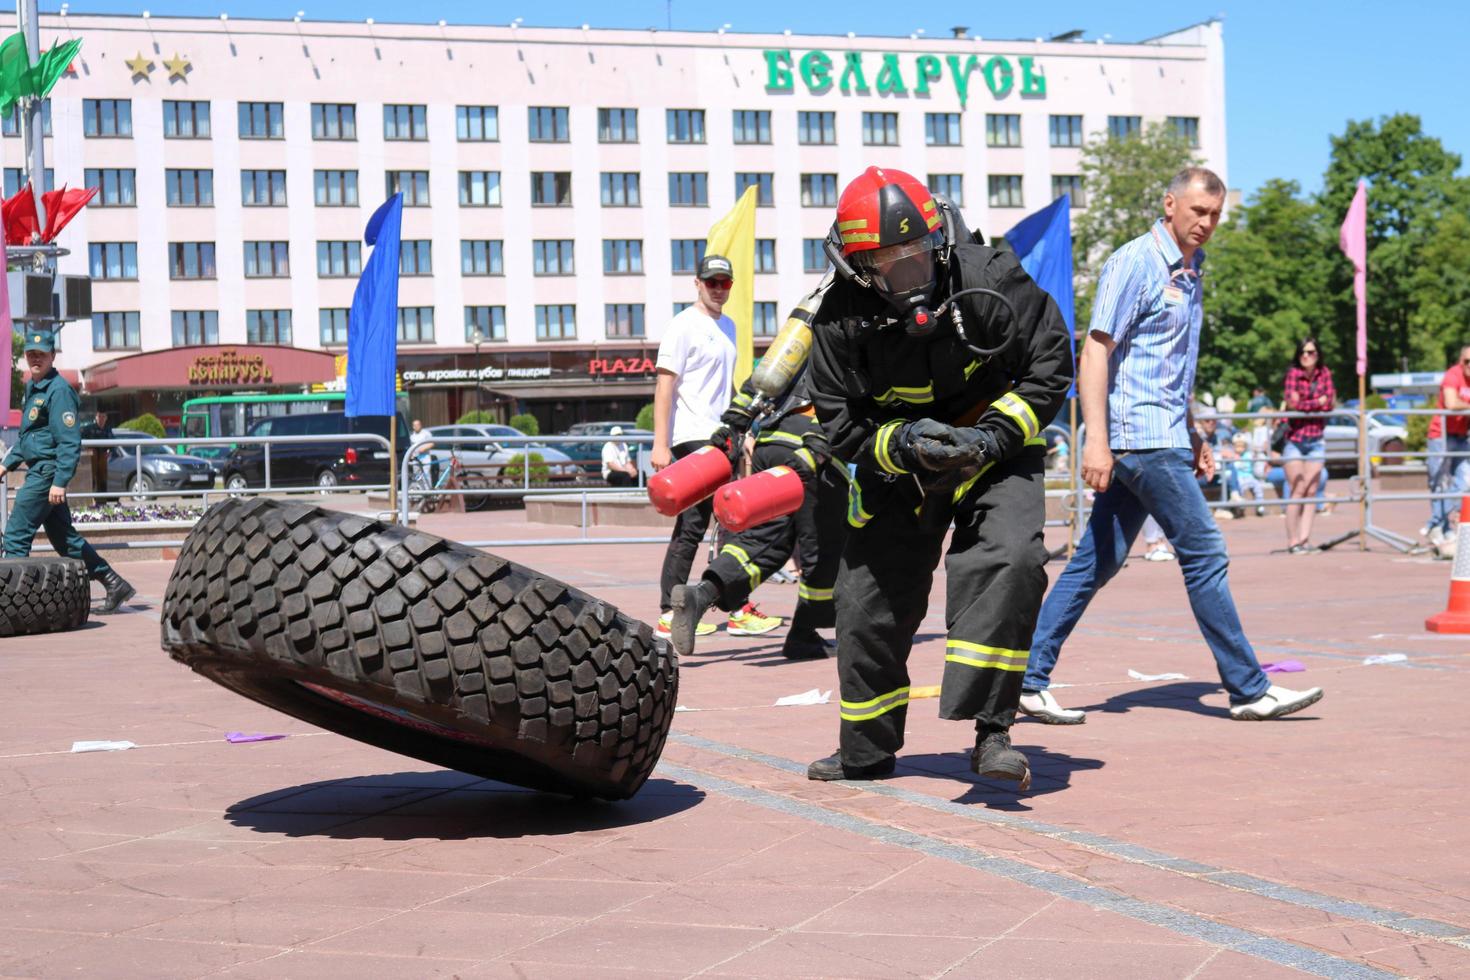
x,y
150,450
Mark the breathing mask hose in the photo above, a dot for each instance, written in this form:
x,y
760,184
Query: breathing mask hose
x,y
1010,330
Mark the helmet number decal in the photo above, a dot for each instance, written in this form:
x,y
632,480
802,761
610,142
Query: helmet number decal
x,y
903,226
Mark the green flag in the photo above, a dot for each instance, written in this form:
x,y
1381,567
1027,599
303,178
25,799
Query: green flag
x,y
52,65
18,79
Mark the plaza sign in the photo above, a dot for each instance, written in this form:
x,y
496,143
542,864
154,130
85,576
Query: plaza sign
x,y
817,67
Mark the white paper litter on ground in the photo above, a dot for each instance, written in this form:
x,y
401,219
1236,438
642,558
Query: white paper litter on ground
x,y
814,696
1154,677
1384,658
102,746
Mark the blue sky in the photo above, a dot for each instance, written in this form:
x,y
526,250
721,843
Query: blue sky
x,y
1295,71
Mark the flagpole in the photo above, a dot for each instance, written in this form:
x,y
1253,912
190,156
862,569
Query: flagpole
x,y
1363,457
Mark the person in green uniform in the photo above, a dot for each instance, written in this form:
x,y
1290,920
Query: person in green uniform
x,y
50,445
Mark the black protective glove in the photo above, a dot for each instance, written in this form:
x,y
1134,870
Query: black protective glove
x,y
927,445
728,441
737,419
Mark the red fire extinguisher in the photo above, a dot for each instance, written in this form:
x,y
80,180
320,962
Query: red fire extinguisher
x,y
756,499
683,484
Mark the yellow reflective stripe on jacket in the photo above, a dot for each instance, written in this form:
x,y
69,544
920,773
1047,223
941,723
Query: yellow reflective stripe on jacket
x,y
980,655
743,398
856,516
880,448
804,591
912,396
1015,407
742,557
964,488
881,705
805,455
971,368
776,435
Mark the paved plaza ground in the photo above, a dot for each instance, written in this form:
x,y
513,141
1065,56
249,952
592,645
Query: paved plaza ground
x,y
1160,839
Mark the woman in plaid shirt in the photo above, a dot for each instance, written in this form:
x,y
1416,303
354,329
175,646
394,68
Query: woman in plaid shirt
x,y
1307,388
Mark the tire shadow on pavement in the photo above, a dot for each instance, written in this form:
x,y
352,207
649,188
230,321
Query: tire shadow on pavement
x,y
447,805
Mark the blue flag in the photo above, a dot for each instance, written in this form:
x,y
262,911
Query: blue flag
x,y
372,327
1043,243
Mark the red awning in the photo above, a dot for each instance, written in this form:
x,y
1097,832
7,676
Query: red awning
x,y
212,368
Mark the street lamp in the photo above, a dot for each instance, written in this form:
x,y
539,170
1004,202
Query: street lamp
x,y
477,338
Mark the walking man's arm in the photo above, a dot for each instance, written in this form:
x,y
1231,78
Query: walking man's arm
x,y
663,410
1092,393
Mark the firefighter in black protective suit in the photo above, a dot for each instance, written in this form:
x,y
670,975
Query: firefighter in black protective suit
x,y
786,434
939,399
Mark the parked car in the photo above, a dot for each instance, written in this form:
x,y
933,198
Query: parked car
x,y
588,455
326,464
490,456
163,470
1386,442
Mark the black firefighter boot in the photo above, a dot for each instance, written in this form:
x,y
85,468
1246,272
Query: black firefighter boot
x,y
833,768
803,642
994,758
690,603
118,590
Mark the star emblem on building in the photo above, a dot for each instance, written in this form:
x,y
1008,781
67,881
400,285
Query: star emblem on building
x,y
178,67
140,65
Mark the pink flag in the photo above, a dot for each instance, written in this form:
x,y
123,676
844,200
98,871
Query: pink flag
x,y
1353,240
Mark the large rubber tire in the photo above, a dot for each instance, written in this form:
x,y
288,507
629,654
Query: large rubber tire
x,y
421,646
42,595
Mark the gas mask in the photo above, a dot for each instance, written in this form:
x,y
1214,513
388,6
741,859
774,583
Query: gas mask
x,y
906,276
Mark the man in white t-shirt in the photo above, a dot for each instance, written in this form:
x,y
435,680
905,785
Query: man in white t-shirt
x,y
696,374
617,468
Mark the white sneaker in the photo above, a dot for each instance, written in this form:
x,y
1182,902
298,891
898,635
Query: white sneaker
x,y
1277,701
1158,554
1043,705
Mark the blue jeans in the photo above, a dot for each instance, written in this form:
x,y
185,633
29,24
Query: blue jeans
x,y
1159,482
1446,474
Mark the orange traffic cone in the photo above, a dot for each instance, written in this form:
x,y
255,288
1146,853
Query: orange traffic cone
x,y
1456,617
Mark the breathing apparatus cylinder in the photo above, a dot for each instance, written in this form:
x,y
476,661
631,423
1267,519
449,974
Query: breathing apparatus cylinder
x,y
788,353
682,484
767,495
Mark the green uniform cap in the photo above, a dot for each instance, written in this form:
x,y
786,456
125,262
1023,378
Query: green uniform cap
x,y
42,340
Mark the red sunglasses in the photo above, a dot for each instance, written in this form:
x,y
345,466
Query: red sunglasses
x,y
720,282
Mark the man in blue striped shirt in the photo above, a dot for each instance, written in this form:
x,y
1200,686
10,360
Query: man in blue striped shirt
x,y
1135,378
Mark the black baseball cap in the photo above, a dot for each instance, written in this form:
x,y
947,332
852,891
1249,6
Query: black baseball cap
x,y
715,265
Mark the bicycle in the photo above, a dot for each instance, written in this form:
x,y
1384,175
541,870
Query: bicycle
x,y
422,485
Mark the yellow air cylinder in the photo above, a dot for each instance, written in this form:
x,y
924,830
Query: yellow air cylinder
x,y
787,354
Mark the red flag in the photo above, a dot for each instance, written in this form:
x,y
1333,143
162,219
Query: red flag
x,y
1353,240
61,206
19,215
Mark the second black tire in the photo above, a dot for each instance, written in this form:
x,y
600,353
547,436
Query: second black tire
x,y
42,595
422,646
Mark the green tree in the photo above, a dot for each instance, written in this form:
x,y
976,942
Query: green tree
x,y
645,417
1413,190
147,422
526,423
475,418
1440,323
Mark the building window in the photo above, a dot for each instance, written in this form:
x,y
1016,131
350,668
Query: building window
x,y
1002,129
115,331
10,122
189,188
552,257
414,185
337,260
263,188
488,321
415,324
15,178
1069,184
481,257
752,125
763,320
335,188
813,255
405,122
816,128
764,195
113,260
942,128
267,260
551,188
1066,130
261,121
624,319
107,117
556,322
818,190
548,124
333,326
1005,191
620,190
688,190
415,257
184,120
765,255
622,256
268,327
686,125
118,187
477,189
1124,127
191,260
880,129
951,186
193,327
477,123
617,125
333,121
1186,128
686,253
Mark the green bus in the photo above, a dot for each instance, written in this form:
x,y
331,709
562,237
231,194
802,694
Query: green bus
x,y
223,416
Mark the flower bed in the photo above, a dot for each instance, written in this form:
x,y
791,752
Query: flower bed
x,y
117,513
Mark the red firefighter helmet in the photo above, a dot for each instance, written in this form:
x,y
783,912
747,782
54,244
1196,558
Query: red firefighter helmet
x,y
881,208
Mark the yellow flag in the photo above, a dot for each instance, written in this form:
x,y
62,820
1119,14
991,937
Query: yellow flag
x,y
733,236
